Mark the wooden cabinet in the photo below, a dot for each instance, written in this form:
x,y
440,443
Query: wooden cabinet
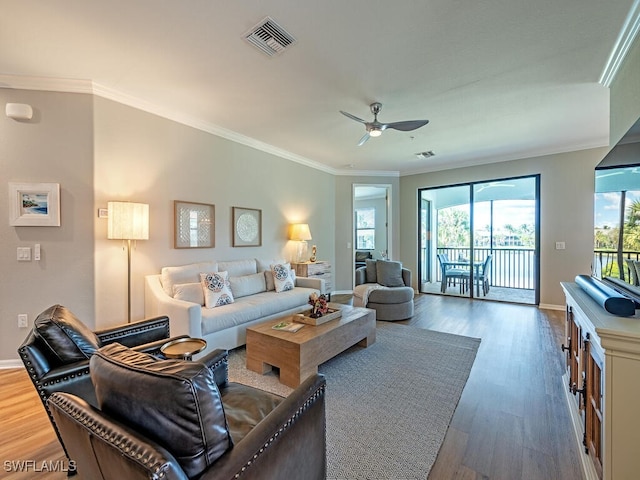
x,y
319,269
603,385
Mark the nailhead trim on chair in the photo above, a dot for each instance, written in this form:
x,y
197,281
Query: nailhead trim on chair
x,y
142,328
312,399
156,464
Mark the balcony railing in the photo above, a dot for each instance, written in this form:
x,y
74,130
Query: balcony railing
x,y
605,263
510,267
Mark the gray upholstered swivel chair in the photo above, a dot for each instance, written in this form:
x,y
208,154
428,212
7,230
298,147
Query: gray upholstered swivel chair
x,y
385,287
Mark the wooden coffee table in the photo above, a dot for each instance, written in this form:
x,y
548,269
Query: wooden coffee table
x,y
298,354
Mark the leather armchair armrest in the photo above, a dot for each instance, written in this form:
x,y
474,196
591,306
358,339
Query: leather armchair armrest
x,y
218,361
136,333
72,378
290,442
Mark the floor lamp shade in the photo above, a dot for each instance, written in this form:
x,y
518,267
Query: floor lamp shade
x,y
128,221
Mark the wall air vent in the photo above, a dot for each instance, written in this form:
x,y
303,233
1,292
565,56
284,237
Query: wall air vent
x,y
269,37
425,155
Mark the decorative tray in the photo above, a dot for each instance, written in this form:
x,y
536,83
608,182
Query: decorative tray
x,y
304,317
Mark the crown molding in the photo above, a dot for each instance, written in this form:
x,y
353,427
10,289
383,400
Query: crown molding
x,y
624,42
49,84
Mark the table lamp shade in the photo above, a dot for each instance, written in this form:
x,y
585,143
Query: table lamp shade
x,y
128,221
300,232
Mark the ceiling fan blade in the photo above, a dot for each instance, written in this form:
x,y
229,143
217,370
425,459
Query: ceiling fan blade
x,y
407,125
352,117
364,138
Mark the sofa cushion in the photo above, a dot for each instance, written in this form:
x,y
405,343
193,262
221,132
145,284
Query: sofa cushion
x,y
176,403
68,338
265,265
372,275
189,292
248,285
237,268
171,276
217,291
389,274
282,277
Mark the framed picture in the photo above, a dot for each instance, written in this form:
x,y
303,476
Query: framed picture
x,y
194,225
34,204
247,227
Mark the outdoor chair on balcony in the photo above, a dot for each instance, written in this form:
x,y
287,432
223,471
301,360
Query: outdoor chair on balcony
x,y
480,278
451,274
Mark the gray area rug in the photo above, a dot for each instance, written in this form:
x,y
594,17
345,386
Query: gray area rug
x,y
388,405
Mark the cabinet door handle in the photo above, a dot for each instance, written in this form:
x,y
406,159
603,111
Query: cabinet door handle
x,y
566,348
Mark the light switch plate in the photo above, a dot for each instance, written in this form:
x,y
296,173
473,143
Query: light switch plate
x,y
560,246
24,254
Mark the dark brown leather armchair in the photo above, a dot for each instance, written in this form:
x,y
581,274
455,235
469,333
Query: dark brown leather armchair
x,y
186,420
57,350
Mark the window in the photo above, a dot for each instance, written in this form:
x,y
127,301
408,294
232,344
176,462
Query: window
x,y
366,228
617,221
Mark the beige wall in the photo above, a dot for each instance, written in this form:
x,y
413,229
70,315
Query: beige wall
x,y
566,212
56,146
145,158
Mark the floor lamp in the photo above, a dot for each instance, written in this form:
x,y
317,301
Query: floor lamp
x,y
128,221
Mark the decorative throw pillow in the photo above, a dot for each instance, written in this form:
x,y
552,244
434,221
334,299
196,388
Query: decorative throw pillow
x,y
282,277
189,292
389,273
371,271
248,285
68,338
217,291
176,403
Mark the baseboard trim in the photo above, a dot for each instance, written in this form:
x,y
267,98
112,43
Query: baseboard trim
x,y
587,466
549,306
16,363
342,292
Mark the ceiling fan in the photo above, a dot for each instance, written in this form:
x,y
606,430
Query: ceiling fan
x,y
375,128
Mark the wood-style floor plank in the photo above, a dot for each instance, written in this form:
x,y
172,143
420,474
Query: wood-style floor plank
x,y
511,422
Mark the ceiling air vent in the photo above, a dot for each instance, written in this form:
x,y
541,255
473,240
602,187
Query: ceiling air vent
x,y
425,155
269,37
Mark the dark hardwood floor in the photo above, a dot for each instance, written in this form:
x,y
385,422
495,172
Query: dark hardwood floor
x,y
511,422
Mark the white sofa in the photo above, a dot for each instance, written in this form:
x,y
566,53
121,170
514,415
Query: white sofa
x,y
176,293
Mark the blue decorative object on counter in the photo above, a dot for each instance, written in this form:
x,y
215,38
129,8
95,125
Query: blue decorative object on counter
x,y
608,298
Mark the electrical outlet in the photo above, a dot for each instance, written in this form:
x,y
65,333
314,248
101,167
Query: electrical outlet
x,y
23,320
560,246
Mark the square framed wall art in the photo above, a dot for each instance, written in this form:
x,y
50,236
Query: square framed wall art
x,y
194,225
247,227
34,204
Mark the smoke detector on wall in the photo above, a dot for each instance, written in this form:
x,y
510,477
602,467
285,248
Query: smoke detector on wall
x,y
269,37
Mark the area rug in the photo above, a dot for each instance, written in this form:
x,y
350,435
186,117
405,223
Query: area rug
x,y
388,405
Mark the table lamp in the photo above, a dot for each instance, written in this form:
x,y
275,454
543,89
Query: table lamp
x,y
300,232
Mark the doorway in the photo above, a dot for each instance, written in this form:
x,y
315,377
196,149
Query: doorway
x,y
371,223
481,240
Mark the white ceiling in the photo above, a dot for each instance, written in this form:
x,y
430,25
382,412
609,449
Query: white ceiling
x,y
498,79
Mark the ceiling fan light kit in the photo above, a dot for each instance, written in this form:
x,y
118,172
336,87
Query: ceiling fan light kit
x,y
375,128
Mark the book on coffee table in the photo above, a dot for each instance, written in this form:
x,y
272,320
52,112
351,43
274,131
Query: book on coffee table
x,y
288,326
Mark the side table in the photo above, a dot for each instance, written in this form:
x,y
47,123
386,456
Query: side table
x,y
183,348
318,269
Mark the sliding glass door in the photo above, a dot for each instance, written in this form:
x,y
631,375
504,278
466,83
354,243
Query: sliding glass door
x,y
481,240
